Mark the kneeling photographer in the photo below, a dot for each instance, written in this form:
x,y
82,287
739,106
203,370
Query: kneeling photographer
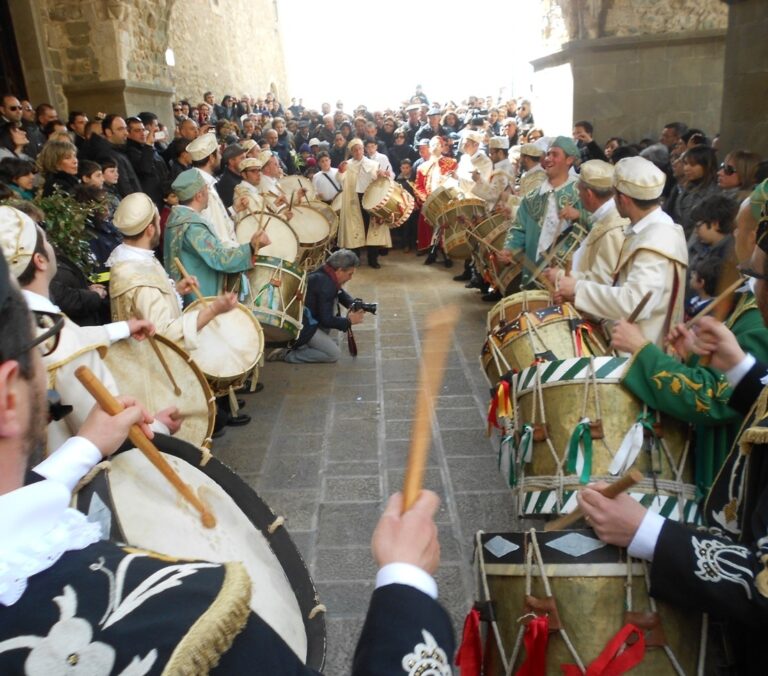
x,y
324,295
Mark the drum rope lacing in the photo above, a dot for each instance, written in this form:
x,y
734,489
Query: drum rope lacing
x,y
479,562
533,548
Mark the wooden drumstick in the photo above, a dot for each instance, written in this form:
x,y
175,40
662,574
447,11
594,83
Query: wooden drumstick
x,y
439,331
719,299
159,355
112,406
625,482
640,307
184,273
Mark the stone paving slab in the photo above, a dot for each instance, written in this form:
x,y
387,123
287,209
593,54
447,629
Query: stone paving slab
x,y
328,444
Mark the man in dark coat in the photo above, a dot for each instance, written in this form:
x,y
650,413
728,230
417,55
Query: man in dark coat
x,y
111,146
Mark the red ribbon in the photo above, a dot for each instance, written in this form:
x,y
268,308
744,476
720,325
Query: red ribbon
x,y
470,655
612,662
536,639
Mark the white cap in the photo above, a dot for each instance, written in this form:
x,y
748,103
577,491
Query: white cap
x,y
597,174
18,237
499,142
134,213
203,146
639,178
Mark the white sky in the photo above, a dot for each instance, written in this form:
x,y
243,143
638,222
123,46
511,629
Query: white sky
x,y
376,53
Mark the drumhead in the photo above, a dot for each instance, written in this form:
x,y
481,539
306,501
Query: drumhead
x,y
139,373
290,184
147,512
310,226
230,344
284,242
377,192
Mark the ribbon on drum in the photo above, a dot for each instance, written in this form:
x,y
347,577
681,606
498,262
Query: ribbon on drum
x,y
632,443
579,459
512,458
536,640
500,405
624,652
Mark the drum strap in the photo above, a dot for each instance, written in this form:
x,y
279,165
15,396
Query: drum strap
x,y
624,652
332,182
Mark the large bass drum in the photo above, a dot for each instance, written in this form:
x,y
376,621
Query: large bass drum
x,y
136,504
139,374
592,593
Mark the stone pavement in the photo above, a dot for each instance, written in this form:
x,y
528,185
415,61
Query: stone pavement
x,y
328,444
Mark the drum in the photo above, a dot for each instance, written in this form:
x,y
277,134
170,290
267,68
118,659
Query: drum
x,y
590,591
137,505
139,374
330,215
576,423
436,201
510,307
564,251
275,295
284,242
554,332
313,230
290,184
461,214
229,347
388,201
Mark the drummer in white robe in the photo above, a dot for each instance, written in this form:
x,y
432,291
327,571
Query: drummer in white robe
x,y
32,261
653,258
248,197
206,158
357,229
139,285
474,165
269,185
498,187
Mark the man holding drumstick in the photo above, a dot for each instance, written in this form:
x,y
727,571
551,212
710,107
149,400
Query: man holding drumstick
x,y
52,608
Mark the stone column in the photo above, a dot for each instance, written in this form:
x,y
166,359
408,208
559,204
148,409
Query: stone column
x,y
745,105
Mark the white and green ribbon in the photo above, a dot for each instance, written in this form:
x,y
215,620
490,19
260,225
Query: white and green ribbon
x,y
579,459
632,444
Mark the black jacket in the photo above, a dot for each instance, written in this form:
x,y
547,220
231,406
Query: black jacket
x,y
99,149
226,187
69,290
320,305
150,169
62,181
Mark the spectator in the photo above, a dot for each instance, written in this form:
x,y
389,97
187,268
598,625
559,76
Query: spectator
x,y
611,145
58,163
699,167
737,173
588,147
13,142
112,146
19,176
77,123
704,277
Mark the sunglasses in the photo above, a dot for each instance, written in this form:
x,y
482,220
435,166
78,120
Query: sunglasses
x,y
49,326
177,110
14,108
728,169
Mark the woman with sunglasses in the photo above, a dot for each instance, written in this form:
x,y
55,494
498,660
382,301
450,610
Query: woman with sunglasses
x,y
13,142
737,173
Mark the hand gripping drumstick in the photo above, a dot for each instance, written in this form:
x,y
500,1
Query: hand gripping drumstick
x,y
439,331
184,273
610,491
112,406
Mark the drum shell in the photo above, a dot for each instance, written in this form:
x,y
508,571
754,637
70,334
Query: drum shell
x,y
564,408
139,373
436,201
330,215
510,307
590,597
456,218
175,527
278,308
230,346
388,201
313,231
536,332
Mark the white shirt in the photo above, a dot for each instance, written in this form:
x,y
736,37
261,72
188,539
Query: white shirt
x,y
217,214
324,182
37,526
383,160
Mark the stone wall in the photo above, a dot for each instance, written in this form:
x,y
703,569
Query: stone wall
x,y
109,55
636,64
228,47
745,106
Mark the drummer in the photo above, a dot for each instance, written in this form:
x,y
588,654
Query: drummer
x,y
191,237
356,229
598,255
269,185
496,187
653,259
32,262
140,286
248,197
474,166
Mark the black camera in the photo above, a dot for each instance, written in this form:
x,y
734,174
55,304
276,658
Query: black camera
x,y
359,304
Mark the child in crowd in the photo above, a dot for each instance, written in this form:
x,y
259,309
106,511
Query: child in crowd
x,y
19,176
704,277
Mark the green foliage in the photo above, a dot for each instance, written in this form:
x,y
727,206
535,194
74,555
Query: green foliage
x,y
67,227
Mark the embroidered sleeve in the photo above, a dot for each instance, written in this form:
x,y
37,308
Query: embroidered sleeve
x,y
214,255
